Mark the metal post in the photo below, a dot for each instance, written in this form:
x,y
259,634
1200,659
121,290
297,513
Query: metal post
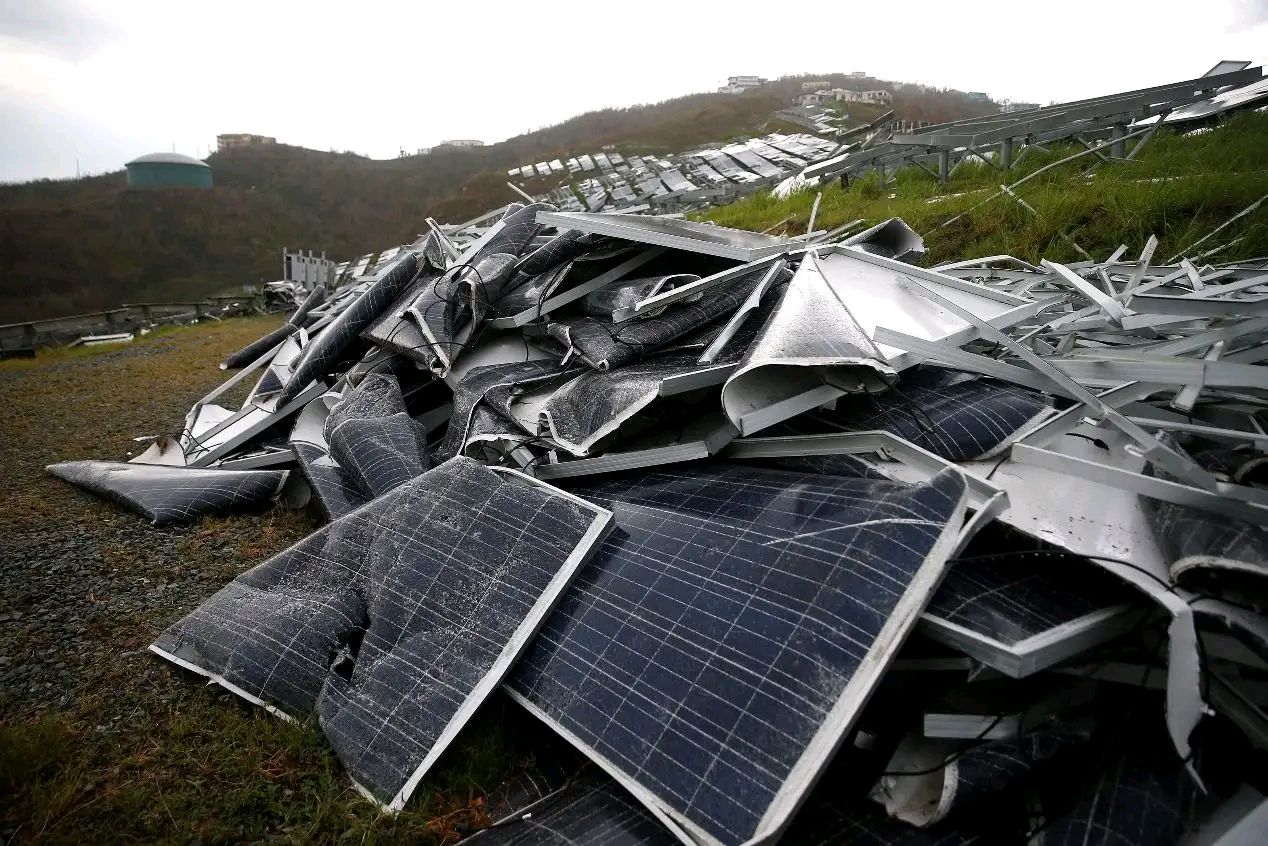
x,y
1006,154
944,165
28,332
110,318
198,310
147,314
1118,149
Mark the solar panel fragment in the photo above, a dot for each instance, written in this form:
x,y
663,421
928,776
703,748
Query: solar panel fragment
x,y
392,624
727,634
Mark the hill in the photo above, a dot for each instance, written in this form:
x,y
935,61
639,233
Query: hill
x,y
82,245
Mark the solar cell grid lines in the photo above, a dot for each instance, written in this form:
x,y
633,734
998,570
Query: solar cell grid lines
x,y
726,635
591,809
166,495
394,623
1011,600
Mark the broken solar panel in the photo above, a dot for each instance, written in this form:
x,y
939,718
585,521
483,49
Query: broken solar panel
x,y
604,345
1020,614
589,809
324,351
374,439
166,494
728,633
954,415
1207,551
593,810
392,624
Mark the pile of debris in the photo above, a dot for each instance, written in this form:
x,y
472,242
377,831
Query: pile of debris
x,y
789,537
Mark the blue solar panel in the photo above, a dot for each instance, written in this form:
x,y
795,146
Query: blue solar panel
x,y
725,637
392,624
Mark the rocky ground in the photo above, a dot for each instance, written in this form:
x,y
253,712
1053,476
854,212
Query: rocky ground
x,y
99,740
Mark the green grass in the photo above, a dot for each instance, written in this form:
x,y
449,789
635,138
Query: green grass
x,y
1178,189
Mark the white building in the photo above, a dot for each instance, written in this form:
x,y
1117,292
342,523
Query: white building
x,y
880,97
460,142
740,84
814,85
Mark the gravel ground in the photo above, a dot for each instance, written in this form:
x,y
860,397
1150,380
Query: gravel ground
x,y
87,584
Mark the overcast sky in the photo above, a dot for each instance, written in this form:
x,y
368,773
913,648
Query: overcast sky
x,y
99,83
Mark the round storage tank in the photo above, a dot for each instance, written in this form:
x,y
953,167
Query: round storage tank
x,y
168,170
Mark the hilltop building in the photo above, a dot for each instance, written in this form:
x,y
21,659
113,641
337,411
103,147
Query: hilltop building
x,y
459,143
168,170
740,84
234,140
815,85
845,95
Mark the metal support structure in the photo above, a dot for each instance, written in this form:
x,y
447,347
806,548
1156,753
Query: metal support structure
x,y
944,165
1006,154
1118,149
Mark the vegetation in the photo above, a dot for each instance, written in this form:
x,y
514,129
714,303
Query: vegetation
x,y
83,245
1179,187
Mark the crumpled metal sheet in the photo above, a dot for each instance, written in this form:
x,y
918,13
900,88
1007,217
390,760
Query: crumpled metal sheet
x,y
759,607
954,415
326,349
810,351
166,494
891,239
392,624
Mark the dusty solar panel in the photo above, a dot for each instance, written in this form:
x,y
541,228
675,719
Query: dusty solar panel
x,y
953,415
394,623
591,809
322,353
166,494
727,635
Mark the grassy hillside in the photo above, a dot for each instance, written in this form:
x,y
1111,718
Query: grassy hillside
x,y
82,245
1178,188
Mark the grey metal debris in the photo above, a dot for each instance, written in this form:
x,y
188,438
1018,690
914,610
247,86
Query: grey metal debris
x,y
1070,458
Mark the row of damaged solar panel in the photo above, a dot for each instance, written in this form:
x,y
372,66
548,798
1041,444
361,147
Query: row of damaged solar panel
x,y
610,182
785,537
